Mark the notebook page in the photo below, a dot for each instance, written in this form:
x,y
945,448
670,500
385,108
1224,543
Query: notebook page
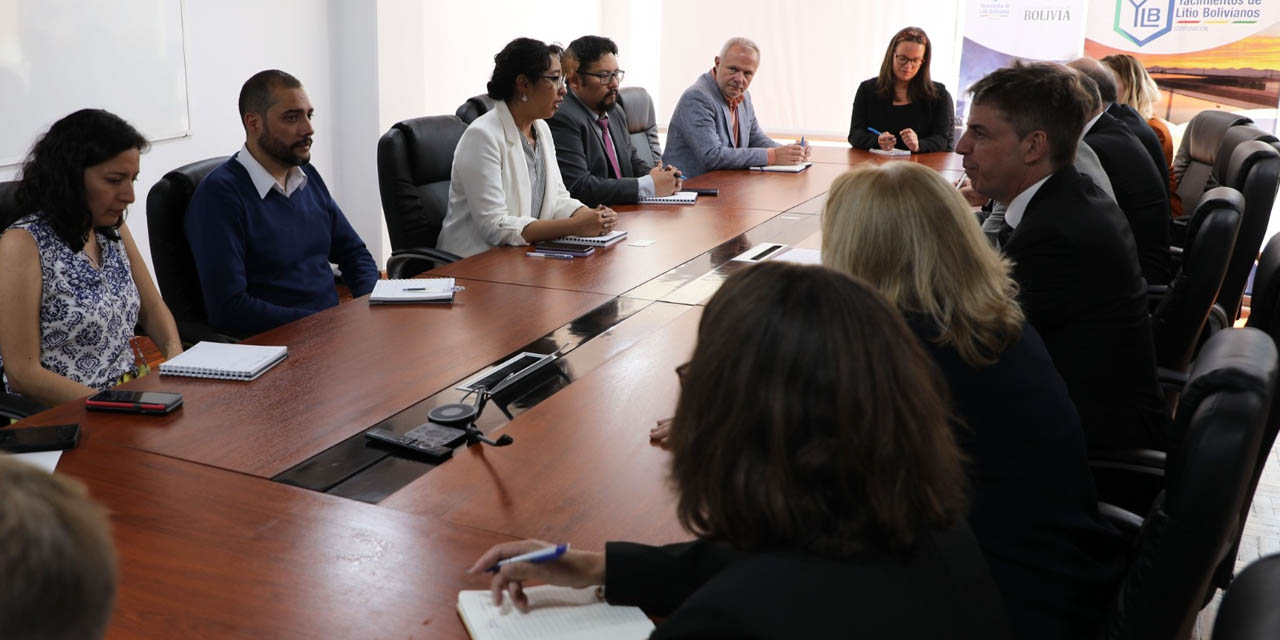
x,y
556,612
217,356
398,290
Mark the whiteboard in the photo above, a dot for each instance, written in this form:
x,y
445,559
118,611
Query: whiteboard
x,y
58,56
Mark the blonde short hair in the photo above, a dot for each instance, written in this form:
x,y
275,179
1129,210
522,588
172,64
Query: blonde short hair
x,y
57,562
1137,88
907,231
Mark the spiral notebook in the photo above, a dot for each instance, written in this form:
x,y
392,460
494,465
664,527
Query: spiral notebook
x,y
607,240
555,612
224,361
434,290
683,197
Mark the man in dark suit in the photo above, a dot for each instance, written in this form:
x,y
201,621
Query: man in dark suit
x,y
1109,92
597,160
1073,253
1142,196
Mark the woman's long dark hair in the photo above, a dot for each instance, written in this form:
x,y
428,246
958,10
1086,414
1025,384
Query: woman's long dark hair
x,y
921,88
53,174
811,418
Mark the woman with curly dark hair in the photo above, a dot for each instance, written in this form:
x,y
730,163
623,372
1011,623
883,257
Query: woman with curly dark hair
x,y
73,283
812,460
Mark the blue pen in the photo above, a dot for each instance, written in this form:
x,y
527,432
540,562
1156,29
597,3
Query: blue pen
x,y
541,555
873,131
802,142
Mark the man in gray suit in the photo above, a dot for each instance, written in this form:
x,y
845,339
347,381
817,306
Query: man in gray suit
x,y
593,148
714,125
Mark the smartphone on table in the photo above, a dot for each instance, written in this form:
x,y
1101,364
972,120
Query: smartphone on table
x,y
147,402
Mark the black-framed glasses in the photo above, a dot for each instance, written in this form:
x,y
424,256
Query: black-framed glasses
x,y
606,77
556,81
904,61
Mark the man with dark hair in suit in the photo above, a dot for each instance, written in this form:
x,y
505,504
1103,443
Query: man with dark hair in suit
x,y
1109,92
597,160
1142,196
1074,256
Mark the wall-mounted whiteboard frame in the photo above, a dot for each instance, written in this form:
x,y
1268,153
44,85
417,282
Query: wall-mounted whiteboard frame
x,y
58,56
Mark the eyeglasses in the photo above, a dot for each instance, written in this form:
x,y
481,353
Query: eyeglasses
x,y
556,81
904,61
606,77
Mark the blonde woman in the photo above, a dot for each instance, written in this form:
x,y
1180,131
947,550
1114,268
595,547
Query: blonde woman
x,y
1136,88
905,230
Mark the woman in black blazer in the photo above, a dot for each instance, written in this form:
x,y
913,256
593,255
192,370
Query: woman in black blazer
x,y
812,460
908,109
905,229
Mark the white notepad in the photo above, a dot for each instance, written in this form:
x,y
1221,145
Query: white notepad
x,y
784,168
609,239
410,291
556,612
891,152
683,197
224,361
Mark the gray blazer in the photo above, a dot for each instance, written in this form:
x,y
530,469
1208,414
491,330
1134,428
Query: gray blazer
x,y
698,138
583,163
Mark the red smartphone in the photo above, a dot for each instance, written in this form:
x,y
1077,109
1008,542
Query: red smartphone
x,y
148,402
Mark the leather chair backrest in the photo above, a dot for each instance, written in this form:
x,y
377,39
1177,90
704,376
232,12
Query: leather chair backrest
x,y
1254,171
1232,139
1179,319
1264,312
642,123
166,231
415,159
1248,610
1191,528
474,107
1199,151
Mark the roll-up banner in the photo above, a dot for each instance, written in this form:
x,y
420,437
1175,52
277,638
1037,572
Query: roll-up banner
x,y
1204,54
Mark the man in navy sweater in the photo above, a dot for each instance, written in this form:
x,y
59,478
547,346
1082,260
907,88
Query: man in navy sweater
x,y
263,228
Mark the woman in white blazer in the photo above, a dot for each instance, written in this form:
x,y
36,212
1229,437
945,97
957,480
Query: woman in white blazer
x,y
506,186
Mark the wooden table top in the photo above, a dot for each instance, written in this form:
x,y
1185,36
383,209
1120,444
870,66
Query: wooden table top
x,y
207,553
349,367
581,469
938,161
680,233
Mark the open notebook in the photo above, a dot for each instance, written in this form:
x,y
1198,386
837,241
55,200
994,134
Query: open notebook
x,y
558,613
224,361
891,152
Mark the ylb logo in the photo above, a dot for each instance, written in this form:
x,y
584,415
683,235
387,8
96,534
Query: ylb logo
x,y
1142,21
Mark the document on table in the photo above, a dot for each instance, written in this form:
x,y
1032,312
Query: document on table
x,y
781,252
891,152
47,460
784,168
555,612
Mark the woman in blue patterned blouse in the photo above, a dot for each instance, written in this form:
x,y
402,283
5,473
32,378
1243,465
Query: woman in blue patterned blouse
x,y
73,283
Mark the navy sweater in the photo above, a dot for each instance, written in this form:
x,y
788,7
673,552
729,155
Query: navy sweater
x,y
264,262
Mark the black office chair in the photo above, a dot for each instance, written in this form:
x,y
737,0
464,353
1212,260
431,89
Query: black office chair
x,y
12,405
642,123
1232,138
474,107
415,161
1254,170
1190,530
1248,610
1199,151
171,254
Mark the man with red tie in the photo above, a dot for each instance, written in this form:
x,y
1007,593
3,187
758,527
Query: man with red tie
x,y
593,148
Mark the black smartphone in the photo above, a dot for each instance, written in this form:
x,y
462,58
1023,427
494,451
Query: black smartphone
x,y
148,402
28,439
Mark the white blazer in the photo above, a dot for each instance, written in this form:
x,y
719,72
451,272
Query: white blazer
x,y
490,200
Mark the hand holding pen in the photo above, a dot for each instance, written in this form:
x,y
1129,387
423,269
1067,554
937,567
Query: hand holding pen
x,y
552,564
886,140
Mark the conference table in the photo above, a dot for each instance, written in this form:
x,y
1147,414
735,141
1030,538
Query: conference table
x,y
259,509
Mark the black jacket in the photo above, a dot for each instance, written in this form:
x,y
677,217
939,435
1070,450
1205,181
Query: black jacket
x,y
1076,265
709,590
936,132
1146,135
1141,194
583,163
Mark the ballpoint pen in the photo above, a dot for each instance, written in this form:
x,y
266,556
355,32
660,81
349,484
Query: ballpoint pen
x,y
874,131
541,555
544,254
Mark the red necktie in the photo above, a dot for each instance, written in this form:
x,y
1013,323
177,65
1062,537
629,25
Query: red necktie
x,y
608,145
